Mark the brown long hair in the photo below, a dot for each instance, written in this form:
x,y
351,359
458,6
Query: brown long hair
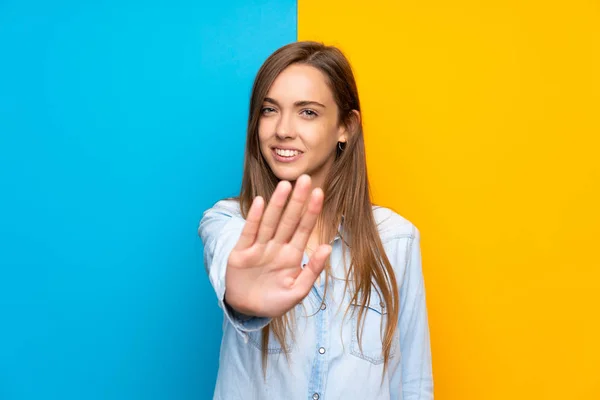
x,y
346,188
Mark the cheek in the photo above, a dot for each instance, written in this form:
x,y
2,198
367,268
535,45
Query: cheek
x,y
322,136
263,130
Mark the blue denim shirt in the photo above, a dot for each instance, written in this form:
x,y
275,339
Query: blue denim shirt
x,y
323,360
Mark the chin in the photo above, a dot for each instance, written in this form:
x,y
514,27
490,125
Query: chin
x,y
287,174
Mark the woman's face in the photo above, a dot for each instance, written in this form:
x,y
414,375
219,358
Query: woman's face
x,y
298,127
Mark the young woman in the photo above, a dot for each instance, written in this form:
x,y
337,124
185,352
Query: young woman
x,y
322,291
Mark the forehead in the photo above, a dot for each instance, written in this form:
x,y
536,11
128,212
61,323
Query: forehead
x,y
300,82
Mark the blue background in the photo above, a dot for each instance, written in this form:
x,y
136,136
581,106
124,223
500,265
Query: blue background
x,y
120,122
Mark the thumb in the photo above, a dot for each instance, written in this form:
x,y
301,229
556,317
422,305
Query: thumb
x,y
313,269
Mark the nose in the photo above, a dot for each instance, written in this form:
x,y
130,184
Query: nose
x,y
285,128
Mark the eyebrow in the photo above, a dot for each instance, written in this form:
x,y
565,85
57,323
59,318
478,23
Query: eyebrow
x,y
301,103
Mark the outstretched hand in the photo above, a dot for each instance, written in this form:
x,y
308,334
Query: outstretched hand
x,y
264,275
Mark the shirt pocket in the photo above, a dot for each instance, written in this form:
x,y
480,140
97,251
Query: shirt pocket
x,y
375,318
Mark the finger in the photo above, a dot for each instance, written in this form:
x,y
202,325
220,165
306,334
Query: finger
x,y
293,211
308,221
273,212
311,272
252,223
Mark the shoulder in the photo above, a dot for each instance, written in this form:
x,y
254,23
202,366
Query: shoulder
x,y
400,239
230,206
392,225
224,214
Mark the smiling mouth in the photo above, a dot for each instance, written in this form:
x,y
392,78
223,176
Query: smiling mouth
x,y
286,155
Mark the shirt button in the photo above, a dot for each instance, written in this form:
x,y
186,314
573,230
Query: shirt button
x,y
323,306
316,396
322,350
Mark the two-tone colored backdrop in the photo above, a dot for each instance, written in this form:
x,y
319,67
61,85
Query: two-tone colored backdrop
x,y
120,122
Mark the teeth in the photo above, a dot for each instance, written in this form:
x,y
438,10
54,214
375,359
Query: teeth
x,y
287,153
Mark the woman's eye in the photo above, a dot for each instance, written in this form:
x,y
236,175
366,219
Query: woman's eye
x,y
309,113
267,110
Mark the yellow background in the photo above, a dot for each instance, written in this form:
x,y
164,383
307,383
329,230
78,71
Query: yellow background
x,y
482,123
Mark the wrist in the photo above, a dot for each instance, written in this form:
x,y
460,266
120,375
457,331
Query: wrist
x,y
237,306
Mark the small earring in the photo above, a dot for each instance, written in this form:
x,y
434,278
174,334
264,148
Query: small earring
x,y
340,146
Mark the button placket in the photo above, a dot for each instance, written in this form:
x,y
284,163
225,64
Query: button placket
x,y
320,365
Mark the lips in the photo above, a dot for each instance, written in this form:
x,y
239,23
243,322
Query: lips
x,y
285,159
285,148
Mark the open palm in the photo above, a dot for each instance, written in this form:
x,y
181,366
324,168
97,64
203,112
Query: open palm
x,y
264,274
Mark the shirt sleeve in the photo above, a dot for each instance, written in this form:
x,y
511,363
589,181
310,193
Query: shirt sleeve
x,y
416,367
220,230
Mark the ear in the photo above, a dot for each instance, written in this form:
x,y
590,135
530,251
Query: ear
x,y
349,126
